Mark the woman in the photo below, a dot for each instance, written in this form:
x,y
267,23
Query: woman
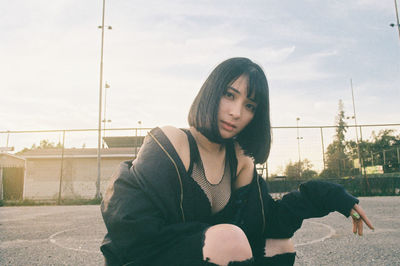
x,y
193,197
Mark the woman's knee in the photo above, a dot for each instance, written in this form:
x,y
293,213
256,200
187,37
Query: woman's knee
x,y
224,243
278,246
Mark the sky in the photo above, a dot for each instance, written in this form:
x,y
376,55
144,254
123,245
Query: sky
x,y
159,53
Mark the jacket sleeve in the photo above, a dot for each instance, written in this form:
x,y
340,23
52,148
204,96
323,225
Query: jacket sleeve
x,y
313,199
136,227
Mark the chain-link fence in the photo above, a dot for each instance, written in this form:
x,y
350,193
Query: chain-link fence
x,y
290,145
310,143
372,185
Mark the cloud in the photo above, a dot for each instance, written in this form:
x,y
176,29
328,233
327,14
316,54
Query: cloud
x,y
304,68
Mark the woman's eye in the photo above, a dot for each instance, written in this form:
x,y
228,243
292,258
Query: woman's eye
x,y
251,107
229,95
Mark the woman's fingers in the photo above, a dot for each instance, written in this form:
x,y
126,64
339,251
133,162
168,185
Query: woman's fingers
x,y
354,226
360,227
359,217
363,216
357,222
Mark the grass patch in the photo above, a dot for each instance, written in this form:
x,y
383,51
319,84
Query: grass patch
x,y
27,202
30,202
80,201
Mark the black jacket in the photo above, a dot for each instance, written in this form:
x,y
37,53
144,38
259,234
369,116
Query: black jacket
x,y
152,202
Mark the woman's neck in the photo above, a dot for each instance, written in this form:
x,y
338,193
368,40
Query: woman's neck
x,y
205,143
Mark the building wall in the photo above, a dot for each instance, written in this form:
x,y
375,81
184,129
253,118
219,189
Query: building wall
x,y
42,179
7,160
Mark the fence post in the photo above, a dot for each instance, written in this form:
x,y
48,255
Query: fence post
x,y
8,138
372,158
61,172
323,151
384,157
1,183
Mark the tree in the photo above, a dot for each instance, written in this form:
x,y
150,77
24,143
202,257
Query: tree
x,y
44,144
299,170
337,161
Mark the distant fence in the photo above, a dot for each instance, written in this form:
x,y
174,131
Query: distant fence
x,y
374,185
290,143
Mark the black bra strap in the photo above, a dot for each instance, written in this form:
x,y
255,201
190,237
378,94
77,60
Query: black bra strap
x,y
193,149
195,155
231,156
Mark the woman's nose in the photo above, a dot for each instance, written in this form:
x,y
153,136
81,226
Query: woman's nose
x,y
235,111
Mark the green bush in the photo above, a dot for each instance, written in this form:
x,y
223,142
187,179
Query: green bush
x,y
31,202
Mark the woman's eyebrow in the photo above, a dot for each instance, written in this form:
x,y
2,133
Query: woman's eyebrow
x,y
235,90
252,99
238,92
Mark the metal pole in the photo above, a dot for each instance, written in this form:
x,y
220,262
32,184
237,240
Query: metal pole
x,y
298,144
61,171
355,124
100,102
1,183
361,163
8,137
398,156
105,108
384,157
323,150
372,156
397,17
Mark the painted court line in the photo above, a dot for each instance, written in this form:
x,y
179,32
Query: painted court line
x,y
329,235
54,241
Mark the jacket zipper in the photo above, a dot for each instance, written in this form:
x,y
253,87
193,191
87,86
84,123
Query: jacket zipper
x,y
262,203
177,171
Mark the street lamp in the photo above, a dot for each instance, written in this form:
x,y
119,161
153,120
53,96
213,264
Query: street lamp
x,y
360,160
298,143
397,19
106,86
100,103
355,124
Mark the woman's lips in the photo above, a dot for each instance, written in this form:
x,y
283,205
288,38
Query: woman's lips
x,y
227,126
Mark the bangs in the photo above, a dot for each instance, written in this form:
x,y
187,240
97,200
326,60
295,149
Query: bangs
x,y
256,86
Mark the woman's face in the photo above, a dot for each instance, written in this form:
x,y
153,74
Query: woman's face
x,y
236,110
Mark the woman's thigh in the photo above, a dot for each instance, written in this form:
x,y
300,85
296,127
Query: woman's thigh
x,y
224,243
278,246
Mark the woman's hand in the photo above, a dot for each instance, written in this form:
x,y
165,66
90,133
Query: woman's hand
x,y
358,215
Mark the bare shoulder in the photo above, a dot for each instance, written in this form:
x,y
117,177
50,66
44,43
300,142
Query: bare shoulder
x,y
180,142
245,167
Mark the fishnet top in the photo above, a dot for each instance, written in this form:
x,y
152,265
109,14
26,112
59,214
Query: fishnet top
x,y
218,194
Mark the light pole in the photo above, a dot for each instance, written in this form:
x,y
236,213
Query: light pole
x,y
106,86
136,141
360,160
100,102
298,143
355,124
397,18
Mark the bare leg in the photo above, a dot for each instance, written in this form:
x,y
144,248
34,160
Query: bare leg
x,y
278,246
225,243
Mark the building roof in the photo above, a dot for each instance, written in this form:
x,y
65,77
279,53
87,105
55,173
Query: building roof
x,y
124,141
79,153
10,161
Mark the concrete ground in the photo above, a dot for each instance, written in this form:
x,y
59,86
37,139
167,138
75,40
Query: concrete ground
x,y
71,235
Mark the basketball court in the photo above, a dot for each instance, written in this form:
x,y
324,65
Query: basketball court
x,y
71,235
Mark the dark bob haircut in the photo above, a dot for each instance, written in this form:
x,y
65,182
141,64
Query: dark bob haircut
x,y
255,138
